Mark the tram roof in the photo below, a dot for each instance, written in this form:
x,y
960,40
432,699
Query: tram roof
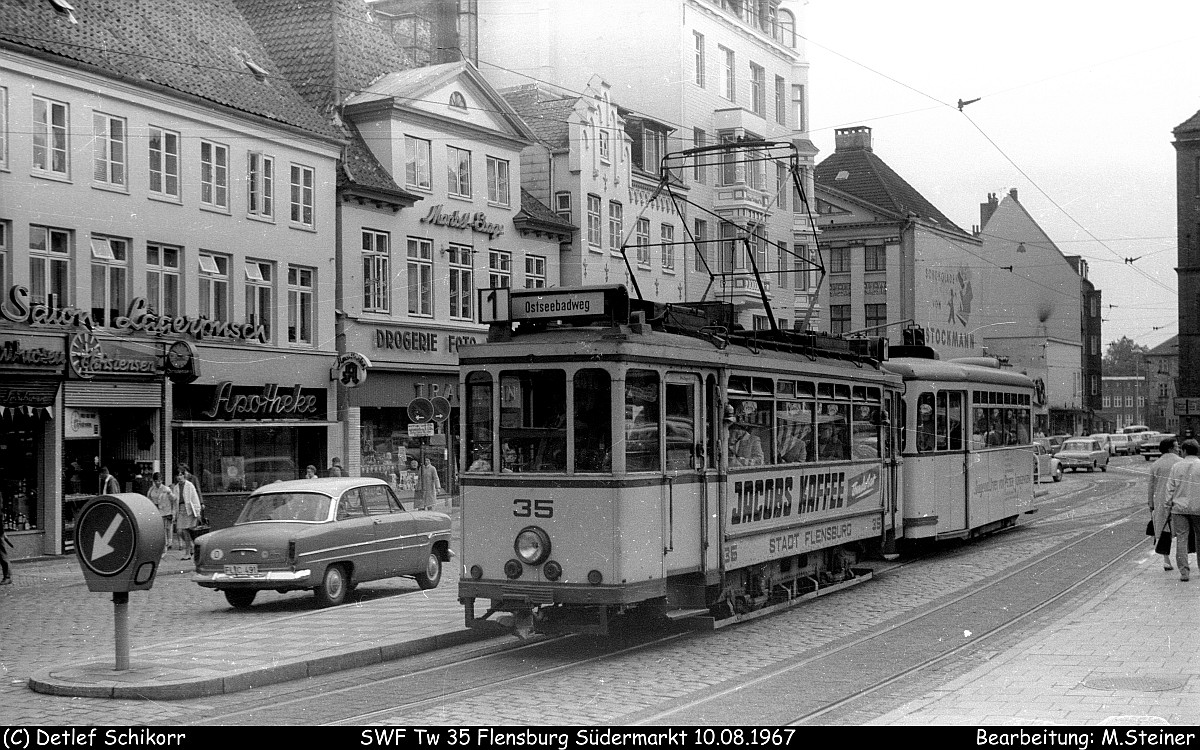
x,y
624,343
951,371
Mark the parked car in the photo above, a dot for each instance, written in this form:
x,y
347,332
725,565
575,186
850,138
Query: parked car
x,y
1123,445
324,535
1056,442
1104,439
1045,465
1151,451
1147,439
1082,453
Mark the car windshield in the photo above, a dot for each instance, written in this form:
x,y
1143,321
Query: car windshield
x,y
1077,445
286,506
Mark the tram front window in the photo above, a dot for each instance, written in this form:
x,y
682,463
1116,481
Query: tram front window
x,y
593,421
533,421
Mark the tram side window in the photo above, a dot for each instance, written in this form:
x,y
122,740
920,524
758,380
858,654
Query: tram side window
x,y
865,431
641,421
793,432
593,424
533,421
926,429
833,432
479,421
749,432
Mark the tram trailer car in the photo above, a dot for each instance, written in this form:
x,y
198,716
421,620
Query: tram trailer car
x,y
966,445
614,463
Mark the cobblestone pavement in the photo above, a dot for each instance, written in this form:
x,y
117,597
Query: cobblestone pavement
x,y
60,621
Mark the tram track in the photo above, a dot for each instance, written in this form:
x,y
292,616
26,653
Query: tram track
x,y
907,644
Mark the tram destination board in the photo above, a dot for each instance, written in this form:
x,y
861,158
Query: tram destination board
x,y
503,304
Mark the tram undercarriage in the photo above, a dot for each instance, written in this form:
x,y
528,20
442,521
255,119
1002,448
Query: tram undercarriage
x,y
707,602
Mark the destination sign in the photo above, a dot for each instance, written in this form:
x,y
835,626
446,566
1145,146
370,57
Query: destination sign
x,y
557,305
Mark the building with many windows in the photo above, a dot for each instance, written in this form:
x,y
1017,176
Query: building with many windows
x,y
1123,401
167,221
1162,373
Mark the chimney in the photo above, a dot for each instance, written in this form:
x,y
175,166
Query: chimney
x,y
1013,193
852,139
987,209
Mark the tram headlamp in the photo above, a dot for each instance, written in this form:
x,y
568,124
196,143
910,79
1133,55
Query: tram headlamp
x,y
595,577
476,572
532,545
552,571
513,569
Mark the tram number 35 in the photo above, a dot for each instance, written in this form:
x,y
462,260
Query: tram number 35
x,y
535,508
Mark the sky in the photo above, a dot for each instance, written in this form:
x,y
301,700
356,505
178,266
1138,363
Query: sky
x,y
1077,103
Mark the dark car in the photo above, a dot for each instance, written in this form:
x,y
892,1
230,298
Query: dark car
x,y
324,535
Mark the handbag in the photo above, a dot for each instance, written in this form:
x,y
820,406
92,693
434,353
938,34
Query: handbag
x,y
1163,546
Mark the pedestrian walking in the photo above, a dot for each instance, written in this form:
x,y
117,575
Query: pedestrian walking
x,y
1183,500
160,495
335,468
428,485
187,511
108,484
1156,498
5,570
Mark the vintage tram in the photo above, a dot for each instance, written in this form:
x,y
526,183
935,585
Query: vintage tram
x,y
621,453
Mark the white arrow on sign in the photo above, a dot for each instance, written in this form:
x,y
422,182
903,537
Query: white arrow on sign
x,y
101,546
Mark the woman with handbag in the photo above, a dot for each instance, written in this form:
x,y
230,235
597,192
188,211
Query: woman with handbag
x,y
1157,496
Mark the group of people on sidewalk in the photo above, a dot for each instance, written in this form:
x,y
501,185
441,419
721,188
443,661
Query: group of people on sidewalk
x,y
1174,499
180,506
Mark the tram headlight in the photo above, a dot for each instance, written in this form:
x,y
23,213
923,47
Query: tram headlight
x,y
532,545
595,577
552,571
476,572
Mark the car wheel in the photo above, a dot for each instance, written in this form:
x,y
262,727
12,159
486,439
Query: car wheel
x,y
432,575
334,587
240,598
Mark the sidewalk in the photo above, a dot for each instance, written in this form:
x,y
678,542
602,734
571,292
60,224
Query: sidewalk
x,y
1125,655
290,647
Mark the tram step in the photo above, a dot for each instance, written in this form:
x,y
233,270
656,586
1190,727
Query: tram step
x,y
683,614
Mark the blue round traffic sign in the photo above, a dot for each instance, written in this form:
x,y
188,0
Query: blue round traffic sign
x,y
105,537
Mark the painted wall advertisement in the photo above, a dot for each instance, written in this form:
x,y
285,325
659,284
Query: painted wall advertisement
x,y
946,290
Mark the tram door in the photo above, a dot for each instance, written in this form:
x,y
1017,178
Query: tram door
x,y
684,487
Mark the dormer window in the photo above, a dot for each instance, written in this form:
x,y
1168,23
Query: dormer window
x,y
458,101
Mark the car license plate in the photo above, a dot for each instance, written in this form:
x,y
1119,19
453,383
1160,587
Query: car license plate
x,y
241,570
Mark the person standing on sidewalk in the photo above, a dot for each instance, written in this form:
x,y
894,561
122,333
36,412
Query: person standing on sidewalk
x,y
428,485
160,495
108,483
5,570
1157,496
1183,500
187,510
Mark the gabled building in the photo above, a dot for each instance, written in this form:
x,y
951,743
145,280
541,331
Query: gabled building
x,y
891,257
598,167
1038,309
1162,373
430,211
167,235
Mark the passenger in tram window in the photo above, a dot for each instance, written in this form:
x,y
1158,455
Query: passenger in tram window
x,y
481,462
978,428
830,442
926,435
995,433
1022,428
745,448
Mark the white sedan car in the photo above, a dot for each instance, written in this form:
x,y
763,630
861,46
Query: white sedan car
x,y
1082,453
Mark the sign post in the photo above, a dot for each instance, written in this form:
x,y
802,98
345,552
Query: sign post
x,y
119,541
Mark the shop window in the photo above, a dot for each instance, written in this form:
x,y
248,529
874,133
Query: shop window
x,y
642,420
301,305
533,423
162,278
214,286
240,458
164,163
214,174
110,278
389,453
593,421
20,458
259,282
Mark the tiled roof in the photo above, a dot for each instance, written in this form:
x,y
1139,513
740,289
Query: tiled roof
x,y
1168,348
869,179
1190,125
360,169
535,212
196,48
545,113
